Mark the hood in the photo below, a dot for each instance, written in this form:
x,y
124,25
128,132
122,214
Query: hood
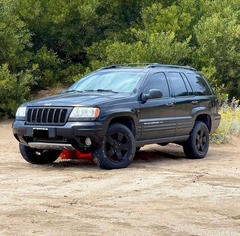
x,y
77,99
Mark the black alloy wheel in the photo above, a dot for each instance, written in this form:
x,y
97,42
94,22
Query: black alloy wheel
x,y
198,143
118,148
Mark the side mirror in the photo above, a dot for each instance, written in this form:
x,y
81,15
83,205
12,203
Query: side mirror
x,y
153,93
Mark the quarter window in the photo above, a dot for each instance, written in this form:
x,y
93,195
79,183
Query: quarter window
x,y
199,84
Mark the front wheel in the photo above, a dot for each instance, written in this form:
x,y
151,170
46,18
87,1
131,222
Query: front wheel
x,y
35,156
198,142
117,149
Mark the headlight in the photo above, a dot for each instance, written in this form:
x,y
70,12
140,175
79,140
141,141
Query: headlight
x,y
21,111
84,112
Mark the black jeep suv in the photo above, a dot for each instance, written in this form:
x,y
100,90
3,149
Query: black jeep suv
x,y
115,110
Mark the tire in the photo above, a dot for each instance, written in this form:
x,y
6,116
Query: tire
x,y
198,142
137,150
43,156
117,149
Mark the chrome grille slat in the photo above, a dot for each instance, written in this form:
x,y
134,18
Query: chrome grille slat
x,y
42,115
53,116
47,115
60,114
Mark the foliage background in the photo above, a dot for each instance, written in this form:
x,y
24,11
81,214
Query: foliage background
x,y
47,43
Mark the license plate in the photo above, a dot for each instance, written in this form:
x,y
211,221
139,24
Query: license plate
x,y
40,132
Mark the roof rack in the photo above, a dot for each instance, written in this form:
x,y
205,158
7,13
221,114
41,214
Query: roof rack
x,y
125,65
110,67
153,65
146,65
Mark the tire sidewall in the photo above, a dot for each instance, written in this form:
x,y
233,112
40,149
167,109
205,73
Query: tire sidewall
x,y
192,140
100,156
29,154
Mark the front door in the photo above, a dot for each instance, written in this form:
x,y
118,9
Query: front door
x,y
157,115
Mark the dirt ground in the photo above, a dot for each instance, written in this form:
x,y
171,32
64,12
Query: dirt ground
x,y
160,193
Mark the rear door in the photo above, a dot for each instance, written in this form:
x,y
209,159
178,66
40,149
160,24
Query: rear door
x,y
185,102
157,115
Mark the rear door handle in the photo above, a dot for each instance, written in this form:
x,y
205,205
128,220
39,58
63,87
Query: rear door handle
x,y
169,104
194,102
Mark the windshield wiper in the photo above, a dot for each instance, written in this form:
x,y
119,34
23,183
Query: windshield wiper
x,y
89,90
73,91
106,90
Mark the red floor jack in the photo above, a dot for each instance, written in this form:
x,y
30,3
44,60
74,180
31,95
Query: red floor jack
x,y
66,154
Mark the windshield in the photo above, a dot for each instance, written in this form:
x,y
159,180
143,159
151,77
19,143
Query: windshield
x,y
121,82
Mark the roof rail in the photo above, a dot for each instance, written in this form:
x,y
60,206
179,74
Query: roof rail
x,y
146,65
153,65
110,67
125,65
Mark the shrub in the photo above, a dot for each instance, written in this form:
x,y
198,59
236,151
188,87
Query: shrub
x,y
230,122
15,89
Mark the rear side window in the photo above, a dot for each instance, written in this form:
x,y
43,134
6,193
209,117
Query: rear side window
x,y
157,81
199,84
178,84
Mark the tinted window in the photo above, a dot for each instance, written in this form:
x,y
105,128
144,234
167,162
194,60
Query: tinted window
x,y
188,85
199,84
178,84
157,81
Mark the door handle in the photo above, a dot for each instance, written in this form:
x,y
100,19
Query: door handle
x,y
194,102
169,104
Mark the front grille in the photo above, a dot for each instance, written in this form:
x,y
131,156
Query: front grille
x,y
51,116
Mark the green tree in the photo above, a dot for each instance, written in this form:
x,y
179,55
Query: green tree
x,y
15,89
154,47
48,64
14,38
67,28
15,42
61,30
154,40
218,44
44,42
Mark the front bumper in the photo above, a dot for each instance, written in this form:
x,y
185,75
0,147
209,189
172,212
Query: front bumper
x,y
68,137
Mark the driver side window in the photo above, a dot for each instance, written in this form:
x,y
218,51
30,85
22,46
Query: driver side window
x,y
157,81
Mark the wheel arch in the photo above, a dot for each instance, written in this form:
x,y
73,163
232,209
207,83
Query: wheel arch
x,y
206,119
128,121
203,114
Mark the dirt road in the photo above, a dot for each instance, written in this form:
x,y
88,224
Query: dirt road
x,y
160,193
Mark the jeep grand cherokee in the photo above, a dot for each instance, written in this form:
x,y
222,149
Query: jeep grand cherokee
x,y
115,110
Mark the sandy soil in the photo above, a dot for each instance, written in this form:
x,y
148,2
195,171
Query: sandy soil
x,y
160,193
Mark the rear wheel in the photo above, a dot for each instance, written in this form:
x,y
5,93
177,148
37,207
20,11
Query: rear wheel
x,y
35,156
117,149
198,142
